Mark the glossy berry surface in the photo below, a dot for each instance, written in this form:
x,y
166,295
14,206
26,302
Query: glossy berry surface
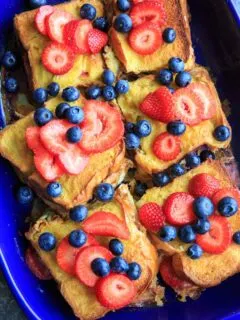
x,y
122,86
74,115
108,77
88,11
78,213
129,127
143,128
140,188
134,271
203,207
169,35
60,110
202,226
70,94
161,179
165,77
53,89
207,154
24,195
123,5
186,234
47,241
192,160
176,128
74,134
100,267
236,237
123,23
177,170
132,141
221,133
101,23
176,65
54,189
227,206
93,92
194,251
108,93
116,247
11,85
37,3
105,192
9,60
183,79
119,265
40,95
77,238
167,233
42,116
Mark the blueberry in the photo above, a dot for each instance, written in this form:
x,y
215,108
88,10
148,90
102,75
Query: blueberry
x,y
100,267
160,179
47,241
11,85
143,128
171,89
169,35
42,116
186,234
54,189
176,65
165,77
194,251
203,207
60,110
236,237
108,77
37,3
74,115
40,95
78,213
134,271
207,154
88,11
123,5
132,141
167,233
53,89
123,23
140,189
129,127
74,134
24,195
192,160
119,265
183,79
93,92
70,94
109,93
101,23
105,192
202,226
77,238
221,133
9,60
177,170
227,206
116,247
176,128
122,86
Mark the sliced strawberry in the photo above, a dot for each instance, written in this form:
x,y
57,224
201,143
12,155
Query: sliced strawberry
x,y
66,254
203,184
40,18
169,276
99,133
141,1
55,23
97,39
166,147
106,224
115,291
178,209
208,103
145,39
187,106
152,12
84,259
151,216
57,58
36,265
73,160
226,192
76,35
218,238
32,136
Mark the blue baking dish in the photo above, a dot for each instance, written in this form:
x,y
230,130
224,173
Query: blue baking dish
x,y
216,36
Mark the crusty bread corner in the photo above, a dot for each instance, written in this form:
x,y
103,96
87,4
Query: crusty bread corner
x,y
137,248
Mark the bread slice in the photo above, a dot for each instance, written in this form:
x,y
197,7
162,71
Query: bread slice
x,y
194,137
177,18
138,248
110,166
87,69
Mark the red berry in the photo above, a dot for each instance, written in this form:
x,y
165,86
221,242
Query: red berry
x,y
106,224
218,238
151,216
40,18
32,136
97,39
145,39
102,127
203,184
73,160
115,291
166,147
178,209
57,58
226,192
36,265
84,259
141,1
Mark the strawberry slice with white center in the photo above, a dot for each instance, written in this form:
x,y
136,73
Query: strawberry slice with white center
x,y
166,147
84,259
153,12
218,238
32,139
73,160
76,35
97,40
57,58
55,23
102,127
145,39
40,18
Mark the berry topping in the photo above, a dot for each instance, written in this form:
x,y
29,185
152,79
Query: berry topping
x,y
166,147
53,89
9,60
40,18
192,160
167,233
54,189
140,189
116,247
186,234
207,154
132,141
123,23
226,192
97,39
60,110
227,206
161,179
176,65
73,160
148,11
122,86
42,116
78,213
123,5
218,238
47,241
119,265
88,11
55,23
221,133
177,170
36,265
203,207
169,35
194,251
165,77
70,94
24,195
202,226
143,128
100,267
203,184
74,134
108,77
178,209
183,79
77,238
151,216
74,115
106,224
129,127
236,237
101,23
104,192
134,271
37,3
40,95
109,93
11,85
93,92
